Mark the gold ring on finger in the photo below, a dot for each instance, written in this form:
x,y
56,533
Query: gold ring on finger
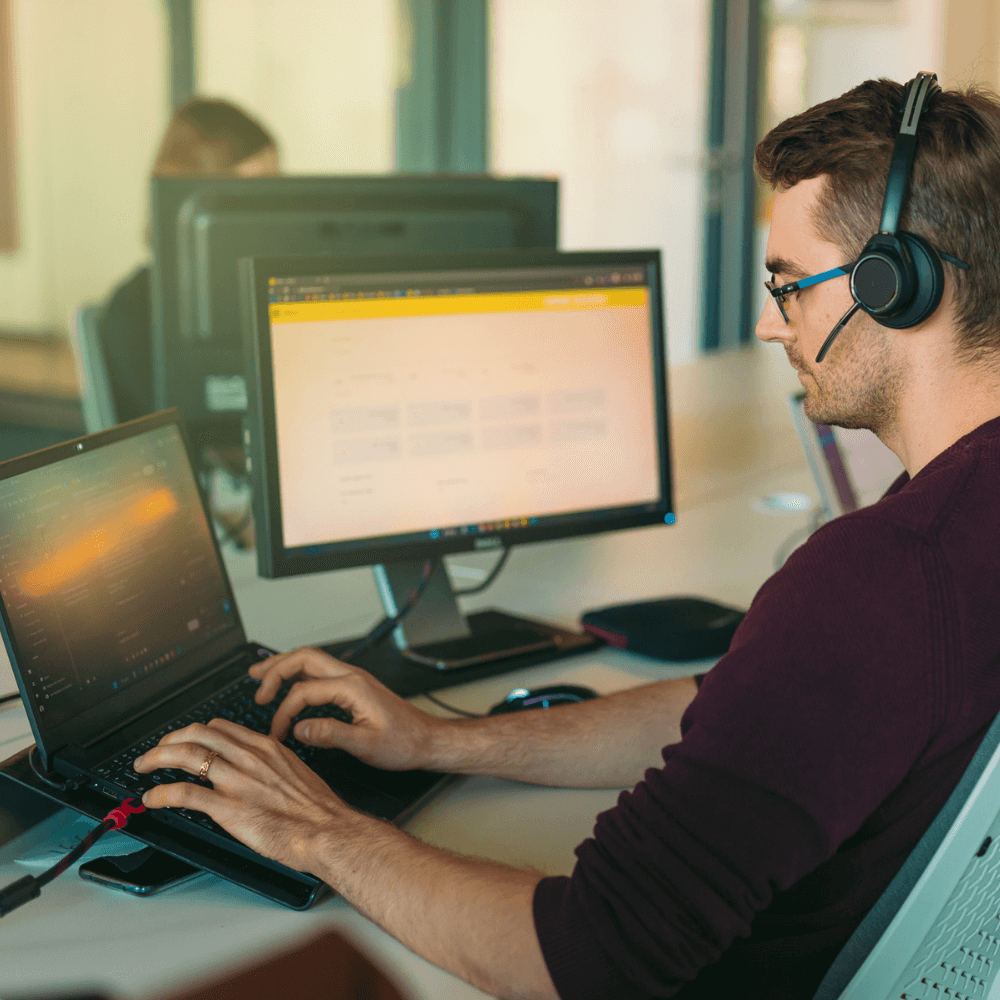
x,y
207,763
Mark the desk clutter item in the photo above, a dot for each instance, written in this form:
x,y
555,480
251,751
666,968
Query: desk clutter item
x,y
670,628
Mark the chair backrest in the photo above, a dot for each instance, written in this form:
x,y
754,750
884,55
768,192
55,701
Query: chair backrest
x,y
935,931
96,399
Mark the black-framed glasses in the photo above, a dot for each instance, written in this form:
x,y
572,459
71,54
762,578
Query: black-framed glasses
x,y
778,292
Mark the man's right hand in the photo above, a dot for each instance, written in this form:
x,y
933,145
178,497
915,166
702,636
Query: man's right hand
x,y
387,732
602,743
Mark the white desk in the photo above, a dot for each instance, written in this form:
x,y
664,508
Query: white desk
x,y
82,935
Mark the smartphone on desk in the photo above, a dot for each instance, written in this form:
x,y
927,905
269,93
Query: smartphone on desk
x,y
143,873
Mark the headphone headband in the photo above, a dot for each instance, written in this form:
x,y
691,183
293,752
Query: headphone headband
x,y
916,95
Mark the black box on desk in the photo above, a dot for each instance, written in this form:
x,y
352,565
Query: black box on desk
x,y
670,628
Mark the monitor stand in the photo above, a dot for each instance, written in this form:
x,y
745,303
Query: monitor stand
x,y
436,645
435,618
435,633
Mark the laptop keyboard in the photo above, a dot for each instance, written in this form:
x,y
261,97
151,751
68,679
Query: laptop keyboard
x,y
235,703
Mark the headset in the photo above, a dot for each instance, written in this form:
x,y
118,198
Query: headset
x,y
898,278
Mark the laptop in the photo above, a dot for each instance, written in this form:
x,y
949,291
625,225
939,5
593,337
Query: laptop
x,y
121,625
851,467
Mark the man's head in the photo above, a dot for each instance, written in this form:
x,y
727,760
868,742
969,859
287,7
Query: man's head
x,y
211,137
828,167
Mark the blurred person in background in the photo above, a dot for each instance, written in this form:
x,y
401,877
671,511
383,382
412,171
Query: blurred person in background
x,y
206,137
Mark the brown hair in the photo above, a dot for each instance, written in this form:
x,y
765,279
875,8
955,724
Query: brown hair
x,y
208,136
954,192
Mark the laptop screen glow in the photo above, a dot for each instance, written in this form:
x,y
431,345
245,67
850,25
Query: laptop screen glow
x,y
107,571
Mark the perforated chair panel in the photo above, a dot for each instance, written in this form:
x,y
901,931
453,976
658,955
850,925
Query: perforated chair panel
x,y
960,955
935,932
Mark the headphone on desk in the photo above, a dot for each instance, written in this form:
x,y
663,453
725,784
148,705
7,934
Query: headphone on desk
x,y
898,278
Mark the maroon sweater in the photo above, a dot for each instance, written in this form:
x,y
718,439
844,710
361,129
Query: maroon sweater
x,y
815,754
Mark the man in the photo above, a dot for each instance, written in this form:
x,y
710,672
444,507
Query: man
x,y
781,796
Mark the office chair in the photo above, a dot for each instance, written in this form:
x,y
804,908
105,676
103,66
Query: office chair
x,y
935,931
96,399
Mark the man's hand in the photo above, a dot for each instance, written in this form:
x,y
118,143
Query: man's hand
x,y
387,731
263,794
473,918
602,743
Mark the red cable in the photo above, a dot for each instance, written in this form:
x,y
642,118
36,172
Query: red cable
x,y
122,813
30,887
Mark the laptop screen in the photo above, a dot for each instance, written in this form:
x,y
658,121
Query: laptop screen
x,y
851,467
108,574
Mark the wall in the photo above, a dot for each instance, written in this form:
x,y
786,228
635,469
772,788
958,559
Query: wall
x,y
611,99
321,75
89,104
972,43
905,40
91,100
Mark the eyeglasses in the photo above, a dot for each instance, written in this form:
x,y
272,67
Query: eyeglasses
x,y
778,293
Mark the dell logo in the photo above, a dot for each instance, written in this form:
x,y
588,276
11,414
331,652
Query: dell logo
x,y
487,543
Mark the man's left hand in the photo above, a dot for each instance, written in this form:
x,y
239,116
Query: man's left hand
x,y
262,793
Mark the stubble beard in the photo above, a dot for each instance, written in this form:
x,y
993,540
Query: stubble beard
x,y
860,383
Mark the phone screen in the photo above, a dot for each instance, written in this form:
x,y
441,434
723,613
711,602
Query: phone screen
x,y
143,873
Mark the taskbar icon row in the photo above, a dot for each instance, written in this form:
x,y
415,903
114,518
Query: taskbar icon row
x,y
483,528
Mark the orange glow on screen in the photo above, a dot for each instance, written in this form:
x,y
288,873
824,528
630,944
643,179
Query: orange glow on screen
x,y
73,558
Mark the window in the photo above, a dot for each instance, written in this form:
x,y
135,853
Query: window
x,y
611,99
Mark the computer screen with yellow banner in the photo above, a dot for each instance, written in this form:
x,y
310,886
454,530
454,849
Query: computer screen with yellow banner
x,y
456,403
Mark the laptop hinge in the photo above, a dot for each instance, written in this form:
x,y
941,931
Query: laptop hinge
x,y
228,662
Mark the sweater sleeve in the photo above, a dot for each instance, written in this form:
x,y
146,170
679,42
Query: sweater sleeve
x,y
826,698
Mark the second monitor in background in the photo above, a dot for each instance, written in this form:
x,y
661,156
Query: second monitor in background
x,y
406,409
203,226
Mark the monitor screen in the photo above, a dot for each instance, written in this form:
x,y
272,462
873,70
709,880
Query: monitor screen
x,y
456,404
203,226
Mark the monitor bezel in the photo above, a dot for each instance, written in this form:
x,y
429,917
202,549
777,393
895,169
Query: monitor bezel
x,y
112,713
273,558
532,202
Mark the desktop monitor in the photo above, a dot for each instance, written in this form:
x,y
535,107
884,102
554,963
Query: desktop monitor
x,y
203,226
405,408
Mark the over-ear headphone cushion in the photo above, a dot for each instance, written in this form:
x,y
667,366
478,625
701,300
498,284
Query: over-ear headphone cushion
x,y
928,284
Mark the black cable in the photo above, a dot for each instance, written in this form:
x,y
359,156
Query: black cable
x,y
452,708
64,786
491,576
384,627
85,845
4,698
